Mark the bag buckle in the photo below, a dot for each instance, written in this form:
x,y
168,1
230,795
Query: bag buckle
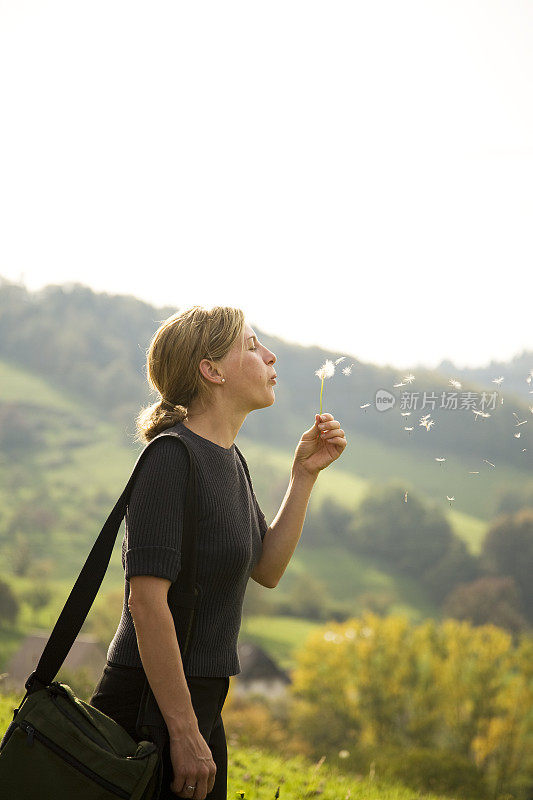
x,y
33,679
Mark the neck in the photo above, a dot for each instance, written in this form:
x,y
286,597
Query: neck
x,y
218,425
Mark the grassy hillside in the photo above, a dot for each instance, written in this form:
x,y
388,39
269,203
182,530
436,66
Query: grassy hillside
x,y
82,464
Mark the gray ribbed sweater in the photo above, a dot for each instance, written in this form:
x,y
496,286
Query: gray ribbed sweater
x,y
231,530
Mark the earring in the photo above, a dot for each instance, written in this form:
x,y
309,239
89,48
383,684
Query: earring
x,y
223,380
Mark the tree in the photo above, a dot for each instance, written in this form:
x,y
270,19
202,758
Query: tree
x,y
487,600
410,537
508,550
9,605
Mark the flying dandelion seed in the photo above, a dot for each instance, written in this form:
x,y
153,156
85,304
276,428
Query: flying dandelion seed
x,y
488,462
395,385
478,413
531,409
454,383
338,361
408,429
409,378
524,421
326,371
524,450
426,423
408,413
498,381
405,497
426,416
473,472
347,370
440,460
365,406
450,499
517,435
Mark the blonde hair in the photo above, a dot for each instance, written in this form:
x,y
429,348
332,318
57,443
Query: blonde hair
x,y
173,358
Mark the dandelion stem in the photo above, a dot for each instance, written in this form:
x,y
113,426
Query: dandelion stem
x,y
321,387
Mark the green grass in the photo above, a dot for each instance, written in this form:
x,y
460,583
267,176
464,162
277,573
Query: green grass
x,y
256,774
19,384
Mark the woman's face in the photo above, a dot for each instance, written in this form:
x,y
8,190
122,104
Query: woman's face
x,y
248,370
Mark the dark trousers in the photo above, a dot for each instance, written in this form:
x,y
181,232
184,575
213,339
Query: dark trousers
x,y
118,694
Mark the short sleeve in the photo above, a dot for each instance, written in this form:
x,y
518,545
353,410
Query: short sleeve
x,y
155,512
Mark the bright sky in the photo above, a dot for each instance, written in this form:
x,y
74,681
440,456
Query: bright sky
x,y
356,175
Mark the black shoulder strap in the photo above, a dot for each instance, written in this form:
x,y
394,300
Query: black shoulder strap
x,y
92,574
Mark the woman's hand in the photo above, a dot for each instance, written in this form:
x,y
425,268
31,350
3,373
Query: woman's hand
x,y
320,445
192,765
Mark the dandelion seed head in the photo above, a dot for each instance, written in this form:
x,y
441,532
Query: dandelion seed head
x,y
343,753
326,370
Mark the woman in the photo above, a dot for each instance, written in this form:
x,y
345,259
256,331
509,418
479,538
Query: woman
x,y
211,371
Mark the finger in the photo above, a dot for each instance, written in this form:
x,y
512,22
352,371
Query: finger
x,y
201,787
191,781
334,423
333,433
337,440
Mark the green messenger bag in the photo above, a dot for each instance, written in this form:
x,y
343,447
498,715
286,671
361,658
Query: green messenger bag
x,y
59,747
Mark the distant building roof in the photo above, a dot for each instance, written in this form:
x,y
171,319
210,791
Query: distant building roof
x,y
86,653
256,664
